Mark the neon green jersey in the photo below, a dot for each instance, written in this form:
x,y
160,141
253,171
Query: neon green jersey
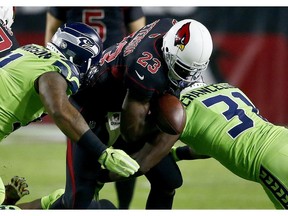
x,y
20,103
224,124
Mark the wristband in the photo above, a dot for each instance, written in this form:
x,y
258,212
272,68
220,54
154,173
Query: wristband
x,y
91,142
183,153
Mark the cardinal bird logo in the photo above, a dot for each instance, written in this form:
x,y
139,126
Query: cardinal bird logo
x,y
182,36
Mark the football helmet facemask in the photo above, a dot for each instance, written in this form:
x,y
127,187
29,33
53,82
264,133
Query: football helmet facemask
x,y
187,47
79,43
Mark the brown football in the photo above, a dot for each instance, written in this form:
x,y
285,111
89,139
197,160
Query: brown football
x,y
170,114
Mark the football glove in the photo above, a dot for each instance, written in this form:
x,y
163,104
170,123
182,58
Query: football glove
x,y
15,190
119,162
48,200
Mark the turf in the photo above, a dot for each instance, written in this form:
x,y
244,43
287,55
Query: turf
x,y
207,184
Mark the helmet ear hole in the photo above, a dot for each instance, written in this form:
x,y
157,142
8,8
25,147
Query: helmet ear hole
x,y
187,47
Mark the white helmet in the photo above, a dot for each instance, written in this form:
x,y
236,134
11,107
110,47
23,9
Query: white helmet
x,y
187,47
7,15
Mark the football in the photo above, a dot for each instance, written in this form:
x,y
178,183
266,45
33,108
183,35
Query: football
x,y
170,114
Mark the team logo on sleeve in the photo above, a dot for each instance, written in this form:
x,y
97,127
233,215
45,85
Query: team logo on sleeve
x,y
182,36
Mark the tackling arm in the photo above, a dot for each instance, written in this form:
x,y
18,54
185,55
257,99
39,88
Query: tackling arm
x,y
147,157
52,90
135,124
154,151
137,24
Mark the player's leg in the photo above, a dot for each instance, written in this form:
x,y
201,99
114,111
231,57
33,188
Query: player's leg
x,y
81,178
125,192
102,204
164,178
125,189
46,201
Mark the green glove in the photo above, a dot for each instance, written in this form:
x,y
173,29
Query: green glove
x,y
48,200
118,161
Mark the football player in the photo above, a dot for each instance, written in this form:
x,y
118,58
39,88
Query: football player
x,y
112,24
38,80
162,57
8,43
17,188
229,128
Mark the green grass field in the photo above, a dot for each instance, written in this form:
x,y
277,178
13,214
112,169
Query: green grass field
x,y
207,184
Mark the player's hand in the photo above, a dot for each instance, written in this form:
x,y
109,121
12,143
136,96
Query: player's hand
x,y
174,153
48,200
15,190
118,161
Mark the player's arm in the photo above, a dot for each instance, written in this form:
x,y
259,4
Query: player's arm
x,y
136,25
52,24
136,19
154,151
147,157
158,144
186,153
52,90
135,124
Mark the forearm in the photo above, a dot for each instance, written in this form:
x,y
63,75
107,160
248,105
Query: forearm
x,y
187,153
147,157
78,130
70,122
136,123
154,150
